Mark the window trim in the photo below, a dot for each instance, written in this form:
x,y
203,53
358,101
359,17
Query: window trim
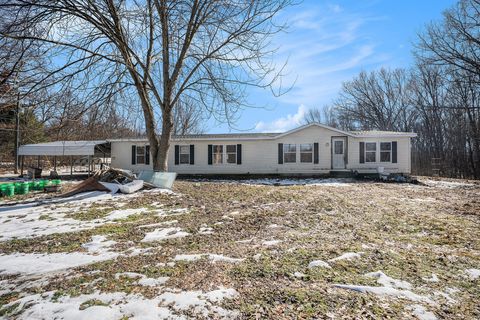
x,y
139,154
294,152
370,151
180,154
385,151
306,152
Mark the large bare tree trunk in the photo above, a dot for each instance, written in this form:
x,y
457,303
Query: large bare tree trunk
x,y
161,162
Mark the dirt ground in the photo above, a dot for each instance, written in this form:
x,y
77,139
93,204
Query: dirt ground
x,y
336,249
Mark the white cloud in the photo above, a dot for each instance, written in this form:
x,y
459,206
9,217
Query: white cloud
x,y
326,45
283,124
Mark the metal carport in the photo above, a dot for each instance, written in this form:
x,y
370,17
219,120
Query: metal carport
x,y
66,148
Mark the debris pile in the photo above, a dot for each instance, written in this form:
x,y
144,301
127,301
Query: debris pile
x,y
110,180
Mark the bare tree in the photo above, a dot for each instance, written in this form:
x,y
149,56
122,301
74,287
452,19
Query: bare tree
x,y
163,50
325,115
188,118
376,100
454,40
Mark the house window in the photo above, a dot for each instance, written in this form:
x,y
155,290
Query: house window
x,y
289,153
370,151
140,155
184,154
306,153
338,147
385,151
218,154
231,153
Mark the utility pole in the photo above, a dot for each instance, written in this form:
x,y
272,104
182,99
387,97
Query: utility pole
x,y
17,131
17,120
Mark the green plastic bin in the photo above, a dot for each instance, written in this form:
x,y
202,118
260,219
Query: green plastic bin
x,y
10,190
17,186
3,189
37,185
23,189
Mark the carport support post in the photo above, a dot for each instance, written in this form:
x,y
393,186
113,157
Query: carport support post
x,y
21,167
55,163
71,166
89,165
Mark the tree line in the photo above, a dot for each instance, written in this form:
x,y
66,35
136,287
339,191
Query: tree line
x,y
438,97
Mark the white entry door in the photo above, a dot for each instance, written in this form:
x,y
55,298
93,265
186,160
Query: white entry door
x,y
338,153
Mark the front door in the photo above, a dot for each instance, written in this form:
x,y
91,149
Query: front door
x,y
338,153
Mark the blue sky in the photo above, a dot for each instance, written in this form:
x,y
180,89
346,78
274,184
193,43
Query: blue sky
x,y
329,42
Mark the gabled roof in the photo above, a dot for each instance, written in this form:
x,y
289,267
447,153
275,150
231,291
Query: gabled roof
x,y
277,135
314,124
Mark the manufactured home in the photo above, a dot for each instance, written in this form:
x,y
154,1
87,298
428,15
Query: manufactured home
x,y
313,149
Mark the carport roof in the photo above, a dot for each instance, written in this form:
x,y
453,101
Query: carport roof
x,y
60,148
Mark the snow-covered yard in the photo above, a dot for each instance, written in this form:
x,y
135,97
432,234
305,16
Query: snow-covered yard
x,y
306,248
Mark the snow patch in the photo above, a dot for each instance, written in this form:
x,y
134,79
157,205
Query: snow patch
x,y
121,305
271,243
319,263
473,274
213,257
433,278
448,184
122,214
200,302
164,234
204,229
33,263
99,244
299,275
386,291
390,287
421,313
387,281
347,256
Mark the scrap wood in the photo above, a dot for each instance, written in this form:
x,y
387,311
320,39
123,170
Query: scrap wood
x,y
90,184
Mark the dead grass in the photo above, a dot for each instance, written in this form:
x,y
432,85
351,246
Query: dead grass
x,y
408,232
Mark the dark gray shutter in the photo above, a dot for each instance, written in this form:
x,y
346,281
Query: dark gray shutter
x,y
280,153
192,154
394,151
362,152
177,154
239,154
210,151
147,154
134,154
315,152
